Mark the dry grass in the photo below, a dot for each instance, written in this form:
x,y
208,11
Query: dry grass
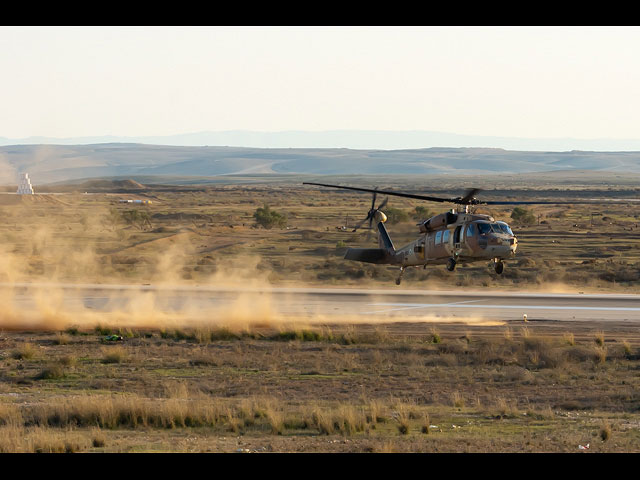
x,y
569,338
115,354
41,440
26,351
311,388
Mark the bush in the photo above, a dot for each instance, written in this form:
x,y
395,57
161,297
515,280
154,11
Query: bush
x,y
268,218
25,352
421,213
53,372
523,216
115,355
395,215
137,218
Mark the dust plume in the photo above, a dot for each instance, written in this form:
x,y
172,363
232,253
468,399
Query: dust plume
x,y
82,269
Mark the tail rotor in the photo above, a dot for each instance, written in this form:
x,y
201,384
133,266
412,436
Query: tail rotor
x,y
371,214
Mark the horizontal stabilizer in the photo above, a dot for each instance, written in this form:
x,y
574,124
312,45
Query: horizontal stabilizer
x,y
369,255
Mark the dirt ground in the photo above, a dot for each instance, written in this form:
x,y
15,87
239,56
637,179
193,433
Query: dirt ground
x,y
390,387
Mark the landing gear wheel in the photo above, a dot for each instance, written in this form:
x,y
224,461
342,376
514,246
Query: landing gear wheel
x,y
399,279
499,266
451,264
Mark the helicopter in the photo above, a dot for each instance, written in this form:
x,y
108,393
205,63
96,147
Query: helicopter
x,y
459,235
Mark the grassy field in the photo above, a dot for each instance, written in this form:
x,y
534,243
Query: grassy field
x,y
189,234
337,389
396,387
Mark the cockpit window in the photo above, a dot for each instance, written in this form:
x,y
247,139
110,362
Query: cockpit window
x,y
484,228
503,228
497,227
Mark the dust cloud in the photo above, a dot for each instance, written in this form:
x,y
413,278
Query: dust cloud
x,y
53,277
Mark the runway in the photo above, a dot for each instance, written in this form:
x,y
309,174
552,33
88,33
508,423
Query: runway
x,y
324,304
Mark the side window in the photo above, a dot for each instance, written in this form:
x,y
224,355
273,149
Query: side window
x,y
445,236
438,237
470,230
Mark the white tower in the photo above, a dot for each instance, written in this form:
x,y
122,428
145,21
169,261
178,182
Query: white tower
x,y
24,187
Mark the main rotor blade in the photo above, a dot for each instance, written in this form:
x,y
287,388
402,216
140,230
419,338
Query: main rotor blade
x,y
564,202
388,192
469,199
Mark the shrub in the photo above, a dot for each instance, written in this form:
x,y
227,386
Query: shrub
x,y
523,216
421,213
114,355
600,355
276,421
425,424
25,352
403,421
52,372
605,432
322,421
137,218
395,215
68,360
268,218
457,400
223,333
435,336
73,330
569,338
98,440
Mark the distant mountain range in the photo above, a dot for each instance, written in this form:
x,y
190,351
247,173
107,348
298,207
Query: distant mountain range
x,y
48,163
352,139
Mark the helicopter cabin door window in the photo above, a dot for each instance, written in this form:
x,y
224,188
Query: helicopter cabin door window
x,y
438,237
445,236
456,236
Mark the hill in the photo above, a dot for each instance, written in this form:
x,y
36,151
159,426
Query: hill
x,y
59,163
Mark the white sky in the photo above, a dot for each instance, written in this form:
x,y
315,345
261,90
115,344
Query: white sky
x,y
534,82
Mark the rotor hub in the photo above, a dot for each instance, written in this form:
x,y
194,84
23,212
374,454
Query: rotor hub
x,y
379,217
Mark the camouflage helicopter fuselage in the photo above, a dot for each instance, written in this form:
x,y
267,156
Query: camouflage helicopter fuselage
x,y
447,238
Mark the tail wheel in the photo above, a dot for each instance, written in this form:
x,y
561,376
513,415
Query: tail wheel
x,y
499,267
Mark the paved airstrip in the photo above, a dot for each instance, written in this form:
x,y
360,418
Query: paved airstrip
x,y
327,304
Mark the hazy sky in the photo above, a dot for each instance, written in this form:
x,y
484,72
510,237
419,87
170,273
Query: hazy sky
x,y
499,81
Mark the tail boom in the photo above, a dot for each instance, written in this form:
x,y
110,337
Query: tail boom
x,y
385,254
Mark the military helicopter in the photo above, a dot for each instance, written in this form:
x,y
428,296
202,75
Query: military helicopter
x,y
447,238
